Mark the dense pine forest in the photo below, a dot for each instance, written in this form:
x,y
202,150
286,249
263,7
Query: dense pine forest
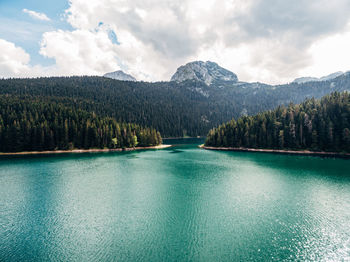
x,y
163,106
319,125
30,125
174,109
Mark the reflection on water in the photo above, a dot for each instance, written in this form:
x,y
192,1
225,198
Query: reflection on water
x,y
175,151
177,204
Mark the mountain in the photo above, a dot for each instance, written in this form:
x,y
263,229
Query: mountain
x,y
206,72
305,79
120,75
173,108
331,76
301,80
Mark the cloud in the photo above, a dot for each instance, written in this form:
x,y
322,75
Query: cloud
x,y
270,41
80,52
36,15
13,59
94,52
329,52
282,33
304,19
15,62
154,37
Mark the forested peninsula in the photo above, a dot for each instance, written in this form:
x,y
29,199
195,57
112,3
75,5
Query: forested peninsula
x,y
34,125
312,126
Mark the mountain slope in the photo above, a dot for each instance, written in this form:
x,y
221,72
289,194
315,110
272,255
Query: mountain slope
x,y
301,80
120,75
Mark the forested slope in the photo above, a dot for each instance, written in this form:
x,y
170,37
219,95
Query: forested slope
x,y
175,109
30,125
320,125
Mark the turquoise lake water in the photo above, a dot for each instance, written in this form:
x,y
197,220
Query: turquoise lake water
x,y
177,204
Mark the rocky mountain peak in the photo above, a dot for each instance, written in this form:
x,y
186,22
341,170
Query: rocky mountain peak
x,y
207,72
120,75
302,80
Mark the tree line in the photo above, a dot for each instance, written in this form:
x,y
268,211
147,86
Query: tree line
x,y
175,109
30,125
319,125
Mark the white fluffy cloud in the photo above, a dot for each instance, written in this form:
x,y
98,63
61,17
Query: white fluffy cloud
x,y
155,36
13,60
36,15
80,52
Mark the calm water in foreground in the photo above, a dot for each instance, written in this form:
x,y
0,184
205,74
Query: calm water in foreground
x,y
178,204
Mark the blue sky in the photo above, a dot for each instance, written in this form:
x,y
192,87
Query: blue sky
x,y
24,31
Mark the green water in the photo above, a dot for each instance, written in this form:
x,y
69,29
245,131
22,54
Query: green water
x,y
178,204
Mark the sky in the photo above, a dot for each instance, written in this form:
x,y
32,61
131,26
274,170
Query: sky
x,y
270,41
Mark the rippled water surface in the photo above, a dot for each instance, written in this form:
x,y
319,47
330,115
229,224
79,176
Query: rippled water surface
x,y
178,204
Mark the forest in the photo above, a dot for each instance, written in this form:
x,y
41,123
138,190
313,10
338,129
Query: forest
x,y
318,125
174,109
33,125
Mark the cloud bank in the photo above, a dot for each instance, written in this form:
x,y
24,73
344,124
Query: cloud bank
x,y
261,40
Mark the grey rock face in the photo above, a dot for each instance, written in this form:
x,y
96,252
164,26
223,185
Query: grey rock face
x,y
301,80
120,75
206,72
331,76
315,79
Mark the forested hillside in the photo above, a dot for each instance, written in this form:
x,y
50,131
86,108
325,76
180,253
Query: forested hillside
x,y
174,109
320,125
164,106
30,125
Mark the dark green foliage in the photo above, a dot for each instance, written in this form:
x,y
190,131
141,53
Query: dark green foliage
x,y
320,125
27,125
164,106
175,109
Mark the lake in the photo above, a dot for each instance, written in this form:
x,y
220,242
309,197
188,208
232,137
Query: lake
x,y
176,204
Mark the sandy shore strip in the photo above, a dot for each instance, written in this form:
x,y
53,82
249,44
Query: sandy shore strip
x,y
84,150
276,151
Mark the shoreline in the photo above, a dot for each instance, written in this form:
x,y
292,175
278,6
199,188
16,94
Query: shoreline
x,y
278,151
77,151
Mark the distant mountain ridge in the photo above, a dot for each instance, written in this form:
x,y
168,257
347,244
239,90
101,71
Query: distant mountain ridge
x,y
120,75
207,72
190,105
301,80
